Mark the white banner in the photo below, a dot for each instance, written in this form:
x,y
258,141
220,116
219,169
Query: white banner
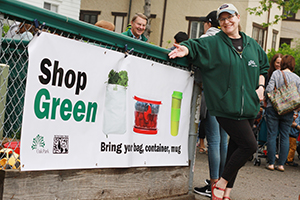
x,y
75,116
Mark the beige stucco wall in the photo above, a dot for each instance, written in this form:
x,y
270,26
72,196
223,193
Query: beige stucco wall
x,y
176,13
264,19
106,7
291,29
178,10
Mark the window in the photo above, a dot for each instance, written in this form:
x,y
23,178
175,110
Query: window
x,y
89,16
258,34
196,27
274,38
288,12
119,21
51,7
285,40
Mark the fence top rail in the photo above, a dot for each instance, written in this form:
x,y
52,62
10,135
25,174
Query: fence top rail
x,y
28,12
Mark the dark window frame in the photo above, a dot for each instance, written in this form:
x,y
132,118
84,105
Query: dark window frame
x,y
288,41
119,14
275,32
190,20
260,27
90,13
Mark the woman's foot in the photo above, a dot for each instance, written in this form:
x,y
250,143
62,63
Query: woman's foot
x,y
292,163
270,167
202,150
217,193
227,193
280,168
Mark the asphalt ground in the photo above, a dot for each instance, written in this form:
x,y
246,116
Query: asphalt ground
x,y
254,182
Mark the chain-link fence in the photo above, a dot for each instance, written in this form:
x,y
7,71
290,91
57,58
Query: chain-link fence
x,y
19,23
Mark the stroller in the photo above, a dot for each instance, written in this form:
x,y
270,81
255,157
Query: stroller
x,y
260,132
298,146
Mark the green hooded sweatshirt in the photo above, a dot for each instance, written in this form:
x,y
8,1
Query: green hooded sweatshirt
x,y
229,79
129,33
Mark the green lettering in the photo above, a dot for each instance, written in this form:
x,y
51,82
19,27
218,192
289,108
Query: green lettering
x,y
65,109
55,103
79,108
45,105
42,103
90,107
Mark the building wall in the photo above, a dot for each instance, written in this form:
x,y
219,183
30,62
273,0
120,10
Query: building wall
x,y
176,13
69,8
291,29
264,19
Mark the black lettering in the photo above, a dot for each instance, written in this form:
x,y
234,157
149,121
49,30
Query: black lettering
x,y
102,146
81,82
70,75
45,71
119,148
60,72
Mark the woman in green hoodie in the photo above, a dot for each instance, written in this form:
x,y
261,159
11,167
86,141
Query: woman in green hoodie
x,y
233,66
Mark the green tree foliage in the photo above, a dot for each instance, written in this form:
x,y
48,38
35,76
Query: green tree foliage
x,y
5,29
287,50
290,7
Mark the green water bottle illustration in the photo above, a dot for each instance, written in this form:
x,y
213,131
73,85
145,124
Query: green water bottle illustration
x,y
175,112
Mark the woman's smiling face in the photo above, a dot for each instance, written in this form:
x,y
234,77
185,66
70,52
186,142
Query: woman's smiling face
x,y
229,23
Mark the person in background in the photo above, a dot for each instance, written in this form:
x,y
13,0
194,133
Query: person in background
x,y
106,25
274,65
178,38
233,66
215,134
24,31
280,123
201,136
138,27
294,134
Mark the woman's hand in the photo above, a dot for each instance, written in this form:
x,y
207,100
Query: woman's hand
x,y
294,124
261,90
260,93
180,51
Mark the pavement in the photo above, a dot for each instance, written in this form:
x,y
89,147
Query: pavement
x,y
254,182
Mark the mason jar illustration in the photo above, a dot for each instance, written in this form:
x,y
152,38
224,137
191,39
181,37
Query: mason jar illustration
x,y
145,116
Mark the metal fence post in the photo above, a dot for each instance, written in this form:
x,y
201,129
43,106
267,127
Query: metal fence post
x,y
193,134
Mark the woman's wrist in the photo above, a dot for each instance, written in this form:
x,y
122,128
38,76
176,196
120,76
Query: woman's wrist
x,y
186,51
261,85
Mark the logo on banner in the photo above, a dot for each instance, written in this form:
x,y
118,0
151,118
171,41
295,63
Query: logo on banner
x,y
61,144
38,144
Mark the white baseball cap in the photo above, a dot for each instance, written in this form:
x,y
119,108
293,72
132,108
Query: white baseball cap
x,y
226,7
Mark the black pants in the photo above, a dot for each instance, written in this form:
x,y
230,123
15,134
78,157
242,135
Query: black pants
x,y
242,145
201,130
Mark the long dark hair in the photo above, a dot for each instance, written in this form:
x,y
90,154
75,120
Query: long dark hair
x,y
272,66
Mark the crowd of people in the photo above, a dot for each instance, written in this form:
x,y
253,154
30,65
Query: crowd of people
x,y
236,77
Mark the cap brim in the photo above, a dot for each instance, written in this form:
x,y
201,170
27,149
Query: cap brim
x,y
228,11
203,19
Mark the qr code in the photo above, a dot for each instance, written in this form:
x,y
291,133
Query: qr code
x,y
61,144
